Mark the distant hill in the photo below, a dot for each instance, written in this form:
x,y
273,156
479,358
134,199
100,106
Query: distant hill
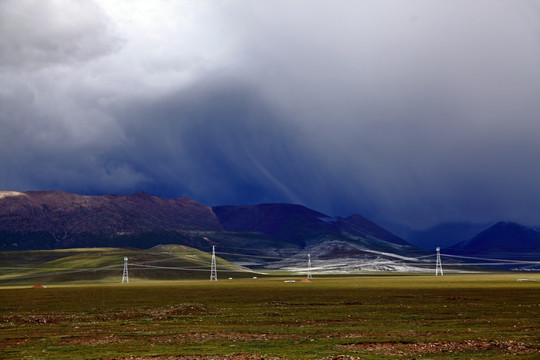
x,y
504,240
360,241
298,224
444,235
164,262
54,219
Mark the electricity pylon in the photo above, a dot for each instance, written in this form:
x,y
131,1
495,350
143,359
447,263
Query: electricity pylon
x,y
213,268
309,266
438,265
125,276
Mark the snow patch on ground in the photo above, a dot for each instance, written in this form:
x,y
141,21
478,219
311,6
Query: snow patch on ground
x,y
392,255
343,257
352,265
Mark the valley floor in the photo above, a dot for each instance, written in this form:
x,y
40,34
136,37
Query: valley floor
x,y
365,317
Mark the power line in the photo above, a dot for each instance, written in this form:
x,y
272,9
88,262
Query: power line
x,y
490,259
186,269
420,261
250,256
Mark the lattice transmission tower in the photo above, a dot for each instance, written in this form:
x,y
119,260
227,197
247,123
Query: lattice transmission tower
x,y
125,275
309,266
213,268
438,264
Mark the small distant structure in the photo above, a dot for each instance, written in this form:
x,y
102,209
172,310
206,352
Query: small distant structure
x,y
125,275
309,266
213,267
438,264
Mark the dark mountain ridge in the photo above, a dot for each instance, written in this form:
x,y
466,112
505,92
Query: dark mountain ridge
x,y
255,234
506,244
444,235
297,224
54,219
354,241
261,234
502,238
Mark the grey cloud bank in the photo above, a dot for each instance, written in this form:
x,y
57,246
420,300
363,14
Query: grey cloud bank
x,y
412,112
41,33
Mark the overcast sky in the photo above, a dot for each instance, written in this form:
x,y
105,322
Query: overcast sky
x,y
413,112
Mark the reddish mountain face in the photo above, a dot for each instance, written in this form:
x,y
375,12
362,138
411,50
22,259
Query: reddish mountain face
x,y
53,219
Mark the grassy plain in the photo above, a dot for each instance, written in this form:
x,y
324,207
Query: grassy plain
x,y
364,317
90,265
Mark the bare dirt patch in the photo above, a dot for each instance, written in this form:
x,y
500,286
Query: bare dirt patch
x,y
97,338
419,348
230,357
204,357
163,313
39,319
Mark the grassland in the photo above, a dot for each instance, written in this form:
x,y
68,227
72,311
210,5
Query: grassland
x,y
88,265
365,317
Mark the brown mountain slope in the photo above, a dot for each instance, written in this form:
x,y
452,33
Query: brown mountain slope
x,y
54,219
255,234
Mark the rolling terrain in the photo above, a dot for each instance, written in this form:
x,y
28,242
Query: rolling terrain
x,y
266,235
162,262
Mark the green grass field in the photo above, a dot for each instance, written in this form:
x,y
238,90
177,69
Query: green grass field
x,y
365,317
91,265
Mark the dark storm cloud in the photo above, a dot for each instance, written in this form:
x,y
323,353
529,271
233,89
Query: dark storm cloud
x,y
412,112
430,108
219,142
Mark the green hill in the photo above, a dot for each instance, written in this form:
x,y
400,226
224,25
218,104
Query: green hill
x,y
162,262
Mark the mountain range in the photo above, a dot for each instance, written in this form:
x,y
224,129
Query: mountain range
x,y
265,235
505,244
269,235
